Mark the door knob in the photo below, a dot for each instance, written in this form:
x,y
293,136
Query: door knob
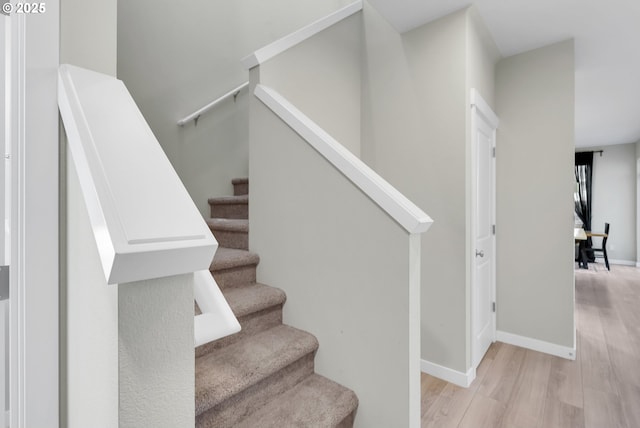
x,y
480,253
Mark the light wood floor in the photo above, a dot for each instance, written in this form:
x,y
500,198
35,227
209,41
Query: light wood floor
x,y
515,387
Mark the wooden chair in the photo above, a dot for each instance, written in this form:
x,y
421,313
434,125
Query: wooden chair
x,y
603,249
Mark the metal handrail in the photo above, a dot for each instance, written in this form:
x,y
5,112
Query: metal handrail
x,y
196,115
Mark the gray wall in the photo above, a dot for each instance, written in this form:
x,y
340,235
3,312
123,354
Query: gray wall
x,y
415,134
482,56
321,77
175,59
436,54
88,36
614,199
535,184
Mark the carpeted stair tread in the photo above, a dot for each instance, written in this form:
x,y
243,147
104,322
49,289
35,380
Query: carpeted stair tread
x,y
229,200
228,258
227,371
314,402
253,298
229,224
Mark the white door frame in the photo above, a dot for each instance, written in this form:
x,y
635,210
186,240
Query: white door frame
x,y
480,107
33,122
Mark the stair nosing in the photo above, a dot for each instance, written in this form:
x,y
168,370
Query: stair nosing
x,y
238,225
312,381
306,342
278,298
229,258
229,200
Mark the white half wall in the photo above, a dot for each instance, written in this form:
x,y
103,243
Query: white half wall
x,y
346,267
535,185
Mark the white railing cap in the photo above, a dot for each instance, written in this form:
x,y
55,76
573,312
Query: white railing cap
x,y
272,49
394,203
144,222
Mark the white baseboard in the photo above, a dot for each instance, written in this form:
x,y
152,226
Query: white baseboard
x,y
623,262
536,345
638,265
450,375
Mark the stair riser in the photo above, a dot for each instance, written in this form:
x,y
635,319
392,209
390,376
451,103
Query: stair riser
x,y
251,324
228,413
229,239
240,211
240,189
227,278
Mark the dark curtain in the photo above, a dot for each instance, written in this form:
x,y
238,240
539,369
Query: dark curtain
x,y
582,196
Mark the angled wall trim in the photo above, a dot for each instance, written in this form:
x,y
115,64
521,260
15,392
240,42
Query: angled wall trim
x,y
401,209
286,42
144,222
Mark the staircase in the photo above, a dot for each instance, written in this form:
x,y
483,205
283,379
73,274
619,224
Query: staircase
x,y
264,375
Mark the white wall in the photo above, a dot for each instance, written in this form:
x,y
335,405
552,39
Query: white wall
x,y
614,199
156,356
535,184
175,59
89,369
34,247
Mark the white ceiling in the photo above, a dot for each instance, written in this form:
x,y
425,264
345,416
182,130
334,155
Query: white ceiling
x,y
607,43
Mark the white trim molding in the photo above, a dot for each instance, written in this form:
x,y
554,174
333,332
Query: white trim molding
x,y
394,203
34,288
445,373
623,262
537,345
271,50
144,222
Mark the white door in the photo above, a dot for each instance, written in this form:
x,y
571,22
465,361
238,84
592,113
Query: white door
x,y
483,326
